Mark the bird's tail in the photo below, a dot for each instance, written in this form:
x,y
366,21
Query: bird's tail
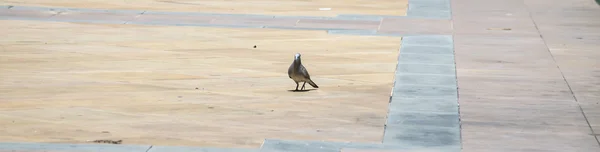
x,y
313,84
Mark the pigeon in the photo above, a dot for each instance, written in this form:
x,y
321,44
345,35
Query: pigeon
x,y
298,73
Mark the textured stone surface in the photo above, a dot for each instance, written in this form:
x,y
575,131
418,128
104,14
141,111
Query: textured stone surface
x,y
138,84
416,49
433,40
515,79
418,136
441,106
526,69
425,59
198,149
323,146
429,9
409,25
270,7
48,147
415,68
424,110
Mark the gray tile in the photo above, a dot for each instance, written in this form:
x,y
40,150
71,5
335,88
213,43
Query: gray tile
x,y
162,19
419,79
72,147
430,14
445,50
428,40
426,58
418,91
10,13
303,28
306,17
425,69
66,9
319,146
195,24
423,105
284,22
198,149
412,136
404,118
94,17
207,14
297,146
23,18
339,24
429,8
430,5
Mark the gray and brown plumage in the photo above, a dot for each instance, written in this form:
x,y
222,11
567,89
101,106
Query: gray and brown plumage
x,y
298,73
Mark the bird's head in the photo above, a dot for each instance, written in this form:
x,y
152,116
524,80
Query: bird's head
x,y
297,56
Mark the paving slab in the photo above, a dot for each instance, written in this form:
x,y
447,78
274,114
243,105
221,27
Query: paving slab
x,y
513,88
410,25
338,24
286,7
418,136
189,86
525,72
434,121
53,147
323,146
430,9
198,149
570,41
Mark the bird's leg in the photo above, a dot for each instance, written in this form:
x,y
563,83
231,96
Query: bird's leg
x,y
303,86
297,86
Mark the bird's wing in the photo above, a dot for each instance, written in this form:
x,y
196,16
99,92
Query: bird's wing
x,y
303,72
290,70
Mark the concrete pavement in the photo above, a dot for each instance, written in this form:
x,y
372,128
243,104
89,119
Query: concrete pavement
x,y
523,71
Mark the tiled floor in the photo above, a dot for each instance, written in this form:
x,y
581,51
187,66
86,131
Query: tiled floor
x,y
192,86
262,7
524,72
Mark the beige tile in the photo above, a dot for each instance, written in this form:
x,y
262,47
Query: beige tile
x,y
188,85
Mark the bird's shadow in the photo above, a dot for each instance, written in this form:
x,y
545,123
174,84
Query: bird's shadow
x,y
305,90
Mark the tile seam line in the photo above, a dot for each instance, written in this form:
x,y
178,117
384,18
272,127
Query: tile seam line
x,y
149,148
560,70
392,91
135,17
451,19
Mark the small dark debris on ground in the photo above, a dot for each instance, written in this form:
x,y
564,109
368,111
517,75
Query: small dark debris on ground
x,y
254,46
105,132
109,141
